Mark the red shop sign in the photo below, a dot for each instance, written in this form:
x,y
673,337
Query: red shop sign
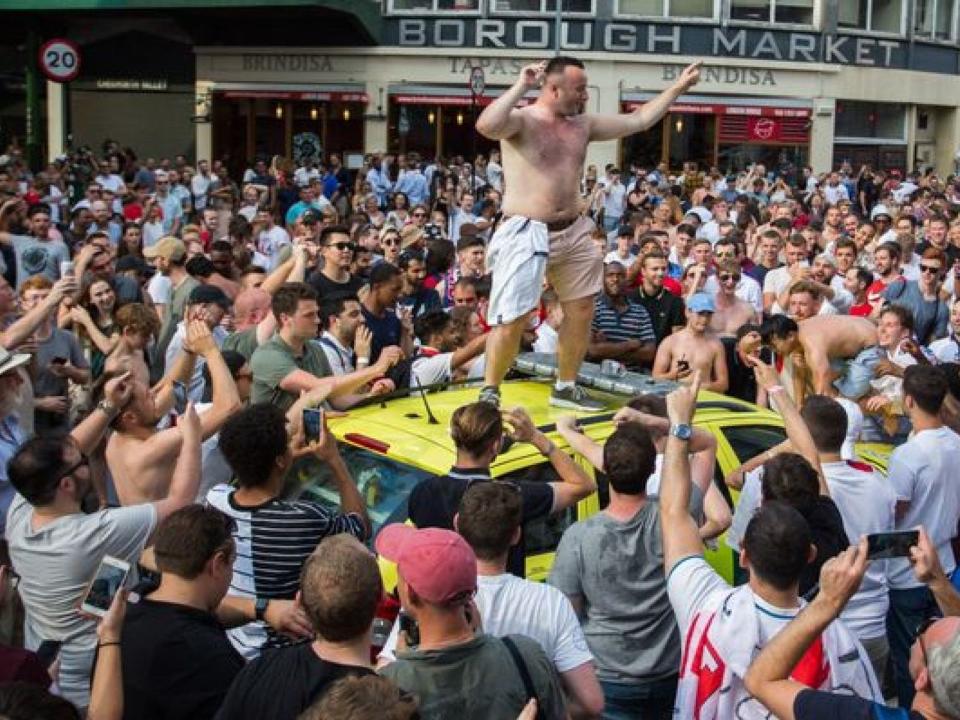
x,y
764,129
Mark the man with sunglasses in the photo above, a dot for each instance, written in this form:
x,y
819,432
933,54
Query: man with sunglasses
x,y
730,313
334,277
934,654
922,297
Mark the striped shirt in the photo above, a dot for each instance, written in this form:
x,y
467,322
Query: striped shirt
x,y
273,540
632,323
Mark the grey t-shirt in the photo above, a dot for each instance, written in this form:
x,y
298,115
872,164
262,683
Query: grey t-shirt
x,y
56,563
60,344
617,567
38,257
477,680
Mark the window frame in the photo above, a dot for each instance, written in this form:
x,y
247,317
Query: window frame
x,y
666,16
952,37
856,140
772,4
902,34
494,12
392,10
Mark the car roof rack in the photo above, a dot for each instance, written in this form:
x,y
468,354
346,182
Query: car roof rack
x,y
544,365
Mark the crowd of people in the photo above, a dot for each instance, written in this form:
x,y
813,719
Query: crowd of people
x,y
164,327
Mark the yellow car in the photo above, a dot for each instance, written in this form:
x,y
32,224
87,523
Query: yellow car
x,y
391,446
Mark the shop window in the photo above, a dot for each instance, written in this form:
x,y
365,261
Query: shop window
x,y
881,16
793,12
543,7
691,139
678,9
935,19
431,6
856,121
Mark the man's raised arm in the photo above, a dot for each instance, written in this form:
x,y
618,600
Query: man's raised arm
x,y
681,536
611,127
500,120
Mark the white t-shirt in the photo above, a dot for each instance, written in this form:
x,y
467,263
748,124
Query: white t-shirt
x,y
775,282
431,370
833,195
56,563
113,183
495,176
748,290
613,200
510,605
199,186
922,471
614,256
867,504
946,349
270,242
160,289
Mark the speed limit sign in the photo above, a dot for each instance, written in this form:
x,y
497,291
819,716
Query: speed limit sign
x,y
60,60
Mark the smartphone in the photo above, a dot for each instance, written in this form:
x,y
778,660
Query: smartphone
x,y
48,651
66,268
312,424
891,544
409,627
110,577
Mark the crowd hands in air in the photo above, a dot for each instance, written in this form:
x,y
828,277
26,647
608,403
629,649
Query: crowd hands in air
x,y
164,326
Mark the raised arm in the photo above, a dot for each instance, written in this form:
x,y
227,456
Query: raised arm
x,y
590,449
501,120
611,127
23,328
226,400
681,536
574,483
186,474
90,431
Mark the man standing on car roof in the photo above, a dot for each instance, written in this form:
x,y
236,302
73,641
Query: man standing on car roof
x,y
478,431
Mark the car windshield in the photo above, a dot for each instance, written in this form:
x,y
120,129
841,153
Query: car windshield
x,y
384,484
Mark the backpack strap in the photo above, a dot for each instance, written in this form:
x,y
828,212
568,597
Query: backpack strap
x,y
524,675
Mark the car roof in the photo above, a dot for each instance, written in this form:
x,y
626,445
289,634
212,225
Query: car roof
x,y
415,429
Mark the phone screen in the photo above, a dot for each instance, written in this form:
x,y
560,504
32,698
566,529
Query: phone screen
x,y
891,545
312,424
106,584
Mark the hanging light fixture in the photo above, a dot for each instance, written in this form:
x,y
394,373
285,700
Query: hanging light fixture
x,y
314,112
431,117
346,114
278,111
459,118
679,125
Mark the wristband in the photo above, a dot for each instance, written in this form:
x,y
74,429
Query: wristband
x,y
363,361
107,409
107,644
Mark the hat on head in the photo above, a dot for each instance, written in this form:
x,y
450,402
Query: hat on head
x,y
410,235
169,248
438,564
625,231
203,294
9,360
701,302
132,262
879,209
703,215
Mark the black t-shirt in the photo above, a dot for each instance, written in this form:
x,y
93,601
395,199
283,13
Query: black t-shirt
x,y
435,501
826,529
385,330
742,381
326,287
665,310
282,683
177,662
816,705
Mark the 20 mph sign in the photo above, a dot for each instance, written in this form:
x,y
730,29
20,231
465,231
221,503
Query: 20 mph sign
x,y
60,60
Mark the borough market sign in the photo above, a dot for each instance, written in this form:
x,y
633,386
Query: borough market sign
x,y
657,38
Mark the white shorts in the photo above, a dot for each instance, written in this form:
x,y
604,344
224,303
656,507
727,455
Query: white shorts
x,y
523,252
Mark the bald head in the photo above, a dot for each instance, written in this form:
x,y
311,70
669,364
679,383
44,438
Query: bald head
x,y
942,642
250,307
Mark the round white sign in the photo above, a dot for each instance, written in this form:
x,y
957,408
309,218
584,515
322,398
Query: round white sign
x,y
60,60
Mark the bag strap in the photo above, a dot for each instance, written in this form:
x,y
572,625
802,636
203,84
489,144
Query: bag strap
x,y
524,675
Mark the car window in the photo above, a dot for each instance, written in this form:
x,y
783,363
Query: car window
x,y
543,534
748,441
384,483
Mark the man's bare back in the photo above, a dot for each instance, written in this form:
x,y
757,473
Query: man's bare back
x,y
837,336
543,164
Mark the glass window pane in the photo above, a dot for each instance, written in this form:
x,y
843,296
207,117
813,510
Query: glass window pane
x,y
647,8
691,8
758,10
412,5
870,120
569,6
853,14
458,4
934,19
887,16
799,12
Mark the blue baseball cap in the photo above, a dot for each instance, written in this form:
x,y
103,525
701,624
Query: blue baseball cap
x,y
701,302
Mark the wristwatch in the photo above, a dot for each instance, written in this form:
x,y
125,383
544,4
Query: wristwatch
x,y
260,608
681,431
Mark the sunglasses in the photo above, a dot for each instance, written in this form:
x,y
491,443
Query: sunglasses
x,y
419,214
932,269
342,246
390,242
726,277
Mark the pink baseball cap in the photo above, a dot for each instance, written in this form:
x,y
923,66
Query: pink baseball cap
x,y
438,564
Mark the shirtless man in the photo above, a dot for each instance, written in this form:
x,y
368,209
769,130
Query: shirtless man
x,y
544,231
680,355
731,312
839,352
140,457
